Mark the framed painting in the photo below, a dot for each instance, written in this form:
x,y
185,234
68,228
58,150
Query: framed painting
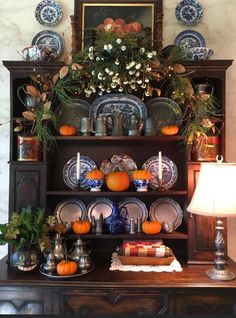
x,y
144,16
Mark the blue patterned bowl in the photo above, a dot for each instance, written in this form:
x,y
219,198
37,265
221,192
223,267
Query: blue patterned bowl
x,y
95,184
141,184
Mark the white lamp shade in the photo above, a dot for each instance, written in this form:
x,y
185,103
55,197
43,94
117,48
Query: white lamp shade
x,y
215,192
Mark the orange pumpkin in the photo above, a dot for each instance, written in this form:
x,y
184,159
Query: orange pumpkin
x,y
151,227
141,174
81,227
118,181
67,130
95,174
66,268
169,130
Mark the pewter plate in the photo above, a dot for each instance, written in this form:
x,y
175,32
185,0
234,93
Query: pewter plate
x,y
135,207
49,39
79,273
100,205
72,114
69,172
119,161
71,210
169,172
125,104
189,12
164,111
48,13
166,210
188,39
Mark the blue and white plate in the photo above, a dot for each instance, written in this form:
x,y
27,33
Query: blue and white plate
x,y
189,12
48,13
188,39
69,172
169,172
51,40
70,210
125,104
166,210
133,207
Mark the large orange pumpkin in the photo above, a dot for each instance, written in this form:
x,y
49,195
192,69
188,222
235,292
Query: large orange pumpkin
x,y
95,174
141,174
151,227
67,130
66,268
81,226
118,181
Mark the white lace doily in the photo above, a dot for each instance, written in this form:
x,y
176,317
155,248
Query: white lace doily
x,y
116,265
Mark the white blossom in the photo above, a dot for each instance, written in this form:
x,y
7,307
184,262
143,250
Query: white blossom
x,y
142,50
109,47
118,41
137,66
149,55
120,89
123,48
137,74
154,53
117,62
131,72
107,70
98,58
90,49
100,75
139,82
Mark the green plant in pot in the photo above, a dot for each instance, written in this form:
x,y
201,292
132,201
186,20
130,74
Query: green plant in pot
x,y
28,235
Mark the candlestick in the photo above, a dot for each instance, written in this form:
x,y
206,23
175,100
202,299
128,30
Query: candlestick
x,y
78,167
160,166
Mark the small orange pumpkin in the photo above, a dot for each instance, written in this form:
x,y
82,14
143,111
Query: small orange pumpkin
x,y
118,181
66,268
169,130
95,174
141,174
67,130
151,227
81,226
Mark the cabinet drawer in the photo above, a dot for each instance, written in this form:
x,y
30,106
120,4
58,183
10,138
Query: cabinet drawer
x,y
114,303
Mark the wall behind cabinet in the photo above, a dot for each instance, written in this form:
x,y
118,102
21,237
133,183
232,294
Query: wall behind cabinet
x,y
18,26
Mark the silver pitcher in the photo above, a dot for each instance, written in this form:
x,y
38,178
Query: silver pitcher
x,y
26,99
115,123
101,126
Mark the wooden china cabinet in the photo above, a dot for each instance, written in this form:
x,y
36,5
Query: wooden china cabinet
x,y
41,184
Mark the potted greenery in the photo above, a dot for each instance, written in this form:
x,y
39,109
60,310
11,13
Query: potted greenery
x,y
28,233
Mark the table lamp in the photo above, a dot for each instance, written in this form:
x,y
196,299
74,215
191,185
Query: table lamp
x,y
215,196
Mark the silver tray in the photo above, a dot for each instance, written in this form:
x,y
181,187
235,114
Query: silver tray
x,y
69,172
166,210
135,207
79,273
70,210
100,205
169,172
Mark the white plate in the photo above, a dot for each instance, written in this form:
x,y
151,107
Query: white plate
x,y
48,13
51,40
135,207
69,172
166,210
169,172
100,205
70,210
118,161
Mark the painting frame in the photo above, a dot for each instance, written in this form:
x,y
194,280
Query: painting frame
x,y
149,10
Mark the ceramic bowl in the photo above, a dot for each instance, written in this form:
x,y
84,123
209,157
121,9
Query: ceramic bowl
x,y
141,185
199,53
95,184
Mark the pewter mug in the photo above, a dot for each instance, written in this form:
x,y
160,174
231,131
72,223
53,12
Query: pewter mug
x,y
115,123
86,126
135,126
149,129
100,126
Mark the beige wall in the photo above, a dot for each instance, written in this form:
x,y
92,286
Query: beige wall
x,y
18,26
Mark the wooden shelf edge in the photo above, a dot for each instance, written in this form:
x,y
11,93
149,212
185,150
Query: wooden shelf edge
x,y
127,193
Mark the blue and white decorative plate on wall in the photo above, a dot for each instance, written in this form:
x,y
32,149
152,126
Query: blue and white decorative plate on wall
x,y
188,39
189,12
51,40
48,13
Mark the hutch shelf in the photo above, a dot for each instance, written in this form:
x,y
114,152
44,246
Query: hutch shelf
x,y
102,291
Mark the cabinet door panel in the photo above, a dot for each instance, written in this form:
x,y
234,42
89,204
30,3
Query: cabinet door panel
x,y
114,303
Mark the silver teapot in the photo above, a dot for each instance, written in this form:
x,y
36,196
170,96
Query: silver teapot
x,y
80,255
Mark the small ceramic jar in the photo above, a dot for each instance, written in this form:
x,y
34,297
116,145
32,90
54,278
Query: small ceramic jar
x,y
141,185
95,184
